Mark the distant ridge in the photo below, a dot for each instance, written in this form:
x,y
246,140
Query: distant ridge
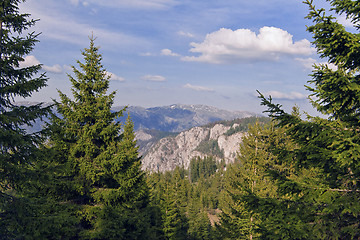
x,y
180,117
172,118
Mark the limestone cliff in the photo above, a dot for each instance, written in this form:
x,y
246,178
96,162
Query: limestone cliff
x,y
220,140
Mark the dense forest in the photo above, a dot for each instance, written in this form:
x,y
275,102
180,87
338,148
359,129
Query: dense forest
x,y
295,177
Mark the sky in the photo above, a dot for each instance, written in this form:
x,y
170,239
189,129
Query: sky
x,y
163,52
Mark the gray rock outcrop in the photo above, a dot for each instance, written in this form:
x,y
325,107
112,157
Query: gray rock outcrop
x,y
178,150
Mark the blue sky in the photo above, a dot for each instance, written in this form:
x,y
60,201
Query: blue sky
x,y
162,52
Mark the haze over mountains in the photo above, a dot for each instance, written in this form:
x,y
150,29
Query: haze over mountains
x,y
172,118
179,117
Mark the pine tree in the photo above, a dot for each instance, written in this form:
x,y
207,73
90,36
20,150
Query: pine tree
x,y
328,149
19,149
96,159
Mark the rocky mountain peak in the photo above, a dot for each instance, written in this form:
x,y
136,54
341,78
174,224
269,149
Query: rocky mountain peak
x,y
178,150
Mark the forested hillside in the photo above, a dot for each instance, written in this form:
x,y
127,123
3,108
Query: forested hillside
x,y
81,177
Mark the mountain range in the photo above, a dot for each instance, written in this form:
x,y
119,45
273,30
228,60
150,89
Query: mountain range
x,y
179,117
171,136
173,118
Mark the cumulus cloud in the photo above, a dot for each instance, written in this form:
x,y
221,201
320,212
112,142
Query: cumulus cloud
x,y
32,60
168,52
228,46
114,77
198,88
29,61
286,96
154,78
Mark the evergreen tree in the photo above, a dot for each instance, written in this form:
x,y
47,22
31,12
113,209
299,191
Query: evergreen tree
x,y
202,167
175,223
157,189
199,223
248,176
185,206
324,203
18,149
96,160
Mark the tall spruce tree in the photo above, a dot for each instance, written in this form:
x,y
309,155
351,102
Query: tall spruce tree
x,y
175,223
329,149
248,177
96,160
199,223
18,149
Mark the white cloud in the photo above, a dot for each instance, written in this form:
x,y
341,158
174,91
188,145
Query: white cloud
x,y
154,78
67,68
74,2
198,88
114,77
345,21
140,4
228,46
308,63
168,52
70,31
146,54
54,69
32,60
286,96
185,34
59,25
29,61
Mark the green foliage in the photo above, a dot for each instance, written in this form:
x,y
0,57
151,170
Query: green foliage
x,y
174,221
248,177
202,168
211,148
199,223
188,208
19,214
319,200
244,124
95,162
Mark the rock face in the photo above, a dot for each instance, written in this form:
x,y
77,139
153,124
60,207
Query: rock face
x,y
178,150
